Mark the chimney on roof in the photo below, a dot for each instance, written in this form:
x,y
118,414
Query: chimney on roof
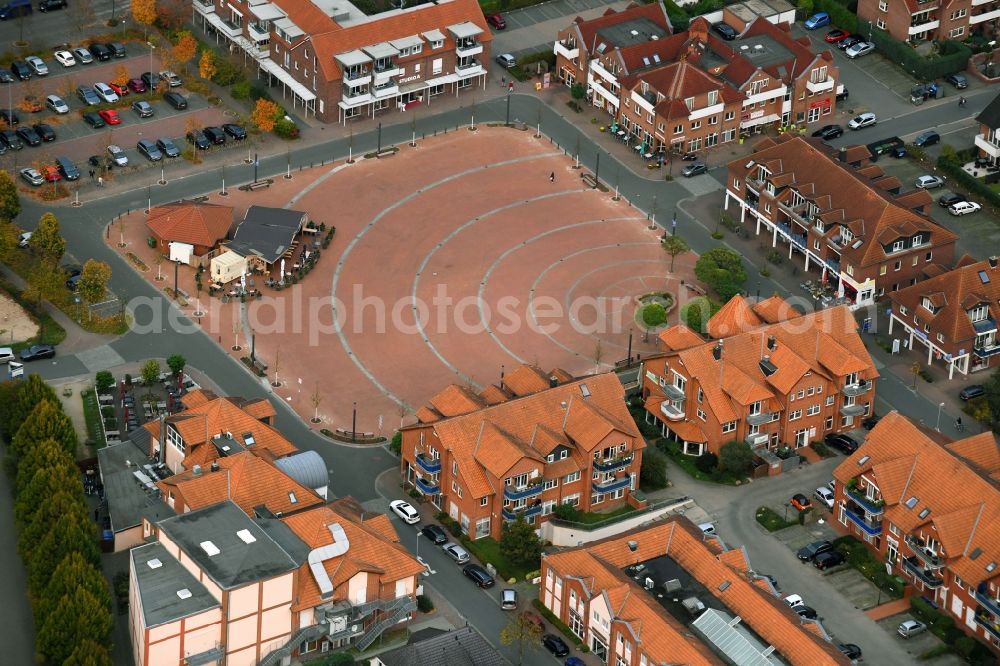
x,y
717,351
563,404
215,466
196,470
842,155
993,261
771,342
553,381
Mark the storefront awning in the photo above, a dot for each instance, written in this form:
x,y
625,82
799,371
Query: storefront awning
x,y
753,122
274,68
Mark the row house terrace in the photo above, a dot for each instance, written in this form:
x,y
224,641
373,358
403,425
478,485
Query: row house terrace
x,y
339,63
772,378
929,507
842,214
988,139
522,447
924,20
666,593
953,315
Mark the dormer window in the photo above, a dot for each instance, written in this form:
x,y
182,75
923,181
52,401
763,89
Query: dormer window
x,y
762,173
797,199
689,103
979,313
919,240
846,235
927,305
713,97
899,245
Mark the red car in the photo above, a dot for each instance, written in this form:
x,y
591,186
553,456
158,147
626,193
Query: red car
x,y
137,85
121,89
51,173
110,116
836,35
801,502
496,20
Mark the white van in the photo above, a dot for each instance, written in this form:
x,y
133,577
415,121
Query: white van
x,y
707,528
6,355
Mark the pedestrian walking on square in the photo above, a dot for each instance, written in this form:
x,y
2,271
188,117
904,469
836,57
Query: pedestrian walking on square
x,y
552,177
503,80
92,174
100,181
510,87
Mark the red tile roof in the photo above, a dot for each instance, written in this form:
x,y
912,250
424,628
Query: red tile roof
x,y
194,223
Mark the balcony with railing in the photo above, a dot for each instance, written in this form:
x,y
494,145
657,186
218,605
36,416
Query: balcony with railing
x,y
857,388
613,464
870,526
527,512
985,351
930,559
798,240
466,48
989,623
852,410
213,655
923,22
230,28
357,75
673,392
427,486
760,418
915,567
204,7
355,96
470,68
983,598
427,464
671,412
259,33
876,507
821,86
514,493
611,485
567,49
991,146
983,16
387,89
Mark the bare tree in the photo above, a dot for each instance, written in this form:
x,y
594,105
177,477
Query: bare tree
x,y
236,335
598,355
316,398
277,361
159,262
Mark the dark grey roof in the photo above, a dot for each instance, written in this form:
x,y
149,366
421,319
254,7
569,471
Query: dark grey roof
x,y
212,538
307,467
990,116
158,586
267,232
461,647
127,497
283,535
627,33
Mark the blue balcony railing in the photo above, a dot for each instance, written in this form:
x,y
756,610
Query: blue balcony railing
x,y
990,624
612,485
986,352
869,527
916,567
613,464
427,487
530,512
428,465
871,506
511,493
986,601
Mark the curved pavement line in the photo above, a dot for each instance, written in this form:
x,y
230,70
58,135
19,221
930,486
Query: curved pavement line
x,y
364,231
642,280
449,237
489,271
534,285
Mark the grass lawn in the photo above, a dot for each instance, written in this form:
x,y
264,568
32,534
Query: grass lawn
x,y
92,415
687,463
488,551
771,521
592,518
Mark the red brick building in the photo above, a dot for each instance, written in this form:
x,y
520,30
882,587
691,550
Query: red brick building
x,y
522,447
929,507
924,20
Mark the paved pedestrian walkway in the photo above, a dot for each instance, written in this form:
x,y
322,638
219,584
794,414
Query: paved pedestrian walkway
x,y
888,609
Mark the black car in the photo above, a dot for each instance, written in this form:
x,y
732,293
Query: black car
x,y
950,198
928,138
94,120
45,131
479,575
958,80
843,443
21,70
970,392
850,650
168,147
843,94
197,139
73,281
435,534
5,76
806,612
555,645
151,79
9,116
845,44
117,49
100,52
175,100
29,136
871,421
36,352
828,559
829,132
47,5
215,135
726,31
808,552
235,131
10,139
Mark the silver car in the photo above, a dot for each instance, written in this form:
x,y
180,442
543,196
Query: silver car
x,y
508,599
32,177
56,104
456,552
929,182
83,55
859,49
37,65
118,155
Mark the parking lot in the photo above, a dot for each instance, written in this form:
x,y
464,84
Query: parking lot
x,y
917,645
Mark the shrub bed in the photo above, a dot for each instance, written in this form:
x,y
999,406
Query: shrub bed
x,y
770,519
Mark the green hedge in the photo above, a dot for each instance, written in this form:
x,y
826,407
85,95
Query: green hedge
x,y
951,56
840,15
970,183
555,622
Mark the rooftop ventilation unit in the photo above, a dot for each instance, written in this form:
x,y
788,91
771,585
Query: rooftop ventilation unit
x,y
210,548
154,563
672,585
649,583
184,593
693,606
767,367
246,537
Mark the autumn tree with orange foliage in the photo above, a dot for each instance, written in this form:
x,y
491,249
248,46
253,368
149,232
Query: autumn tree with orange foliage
x,y
206,65
121,76
265,113
144,11
185,49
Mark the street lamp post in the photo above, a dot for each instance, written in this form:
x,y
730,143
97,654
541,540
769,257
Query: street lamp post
x,y
507,122
597,170
378,150
354,422
177,270
937,424
152,47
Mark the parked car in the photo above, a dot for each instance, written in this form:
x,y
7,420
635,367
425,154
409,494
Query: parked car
x,y
435,533
809,551
479,575
49,5
508,599
20,69
825,496
958,80
31,176
806,612
6,77
72,282
29,136
45,131
94,120
971,391
817,20
10,117
67,168
151,79
866,119
197,139
10,139
850,650
121,89
841,442
100,51
910,628
859,49
456,552
56,104
36,352
105,92
928,182
143,109
405,511
829,560
694,169
118,155
555,645
117,49
506,60
37,65
32,104
214,134
82,55
171,78
949,198
24,239
828,132
174,99
137,85
726,31
836,35
235,131
964,208
168,147
87,95
849,41
801,502
497,21
110,116
870,422
149,149
928,138
842,93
